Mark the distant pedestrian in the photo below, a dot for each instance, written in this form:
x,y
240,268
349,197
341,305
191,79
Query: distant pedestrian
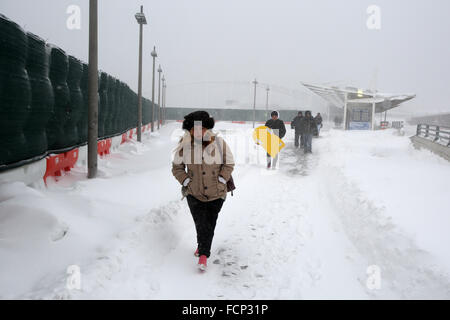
x,y
295,124
277,125
337,121
318,119
308,128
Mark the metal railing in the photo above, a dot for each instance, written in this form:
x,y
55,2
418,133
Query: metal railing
x,y
438,134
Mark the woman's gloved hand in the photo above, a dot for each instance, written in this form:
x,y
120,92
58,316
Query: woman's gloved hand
x,y
184,187
222,180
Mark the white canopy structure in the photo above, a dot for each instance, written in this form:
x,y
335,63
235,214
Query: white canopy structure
x,y
358,100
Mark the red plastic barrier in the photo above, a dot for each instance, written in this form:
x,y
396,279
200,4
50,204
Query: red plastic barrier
x,y
124,138
104,147
70,158
59,162
54,166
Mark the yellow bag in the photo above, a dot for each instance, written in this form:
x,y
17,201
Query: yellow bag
x,y
264,137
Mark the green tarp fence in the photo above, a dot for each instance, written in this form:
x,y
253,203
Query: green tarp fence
x,y
44,99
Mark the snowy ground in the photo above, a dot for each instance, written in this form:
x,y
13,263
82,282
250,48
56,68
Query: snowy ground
x,y
309,230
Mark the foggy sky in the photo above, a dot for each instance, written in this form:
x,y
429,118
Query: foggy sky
x,y
280,42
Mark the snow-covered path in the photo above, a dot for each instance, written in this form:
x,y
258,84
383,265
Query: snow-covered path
x,y
308,230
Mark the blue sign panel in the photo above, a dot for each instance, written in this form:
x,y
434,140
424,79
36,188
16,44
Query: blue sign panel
x,y
359,125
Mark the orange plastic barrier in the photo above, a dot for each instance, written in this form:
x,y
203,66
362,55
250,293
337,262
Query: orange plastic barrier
x,y
59,162
124,138
104,147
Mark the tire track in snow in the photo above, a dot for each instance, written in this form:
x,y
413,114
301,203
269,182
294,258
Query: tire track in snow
x,y
407,272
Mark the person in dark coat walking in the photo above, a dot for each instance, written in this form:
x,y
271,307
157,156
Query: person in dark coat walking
x,y
318,119
308,128
295,124
279,129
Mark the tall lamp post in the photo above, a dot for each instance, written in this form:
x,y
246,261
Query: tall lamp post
x,y
267,101
373,110
141,20
163,101
154,55
254,102
159,94
93,90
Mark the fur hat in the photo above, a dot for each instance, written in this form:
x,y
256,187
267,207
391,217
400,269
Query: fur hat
x,y
203,116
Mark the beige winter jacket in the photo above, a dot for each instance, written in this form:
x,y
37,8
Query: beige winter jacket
x,y
204,166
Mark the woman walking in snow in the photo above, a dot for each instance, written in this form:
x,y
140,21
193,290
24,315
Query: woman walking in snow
x,y
203,164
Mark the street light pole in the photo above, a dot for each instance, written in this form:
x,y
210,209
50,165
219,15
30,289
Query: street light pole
x,y
373,110
154,55
267,102
93,90
163,101
254,102
141,20
159,94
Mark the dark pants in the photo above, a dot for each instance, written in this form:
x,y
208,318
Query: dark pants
x,y
307,140
205,216
297,136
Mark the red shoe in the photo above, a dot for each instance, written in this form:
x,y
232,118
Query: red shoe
x,y
202,263
196,253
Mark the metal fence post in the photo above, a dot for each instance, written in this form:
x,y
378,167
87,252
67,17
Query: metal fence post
x,y
427,130
436,138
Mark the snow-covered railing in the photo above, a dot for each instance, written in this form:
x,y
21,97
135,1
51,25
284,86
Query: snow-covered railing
x,y
438,134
